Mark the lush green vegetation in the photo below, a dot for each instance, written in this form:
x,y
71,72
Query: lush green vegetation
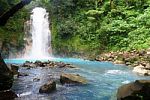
x,y
88,27
94,26
12,34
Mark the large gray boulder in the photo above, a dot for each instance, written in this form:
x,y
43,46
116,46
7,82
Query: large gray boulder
x,y
138,90
72,78
48,87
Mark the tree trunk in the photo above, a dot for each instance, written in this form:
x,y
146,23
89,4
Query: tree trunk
x,y
12,11
6,76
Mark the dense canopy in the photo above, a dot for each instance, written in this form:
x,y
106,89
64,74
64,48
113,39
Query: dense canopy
x,y
84,26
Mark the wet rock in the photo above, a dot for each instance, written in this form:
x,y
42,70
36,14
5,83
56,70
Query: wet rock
x,y
138,90
72,78
14,69
61,65
51,64
142,70
70,66
39,63
23,74
48,87
28,64
7,95
36,79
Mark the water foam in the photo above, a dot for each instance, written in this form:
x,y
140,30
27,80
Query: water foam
x,y
115,72
24,94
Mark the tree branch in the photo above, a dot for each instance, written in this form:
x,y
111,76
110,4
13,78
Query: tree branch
x,y
12,11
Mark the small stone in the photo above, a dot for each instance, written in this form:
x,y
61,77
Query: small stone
x,y
36,79
128,63
119,62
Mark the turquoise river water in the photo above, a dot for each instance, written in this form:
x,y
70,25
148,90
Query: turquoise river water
x,y
104,78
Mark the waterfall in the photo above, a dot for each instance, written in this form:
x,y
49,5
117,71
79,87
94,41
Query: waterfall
x,y
39,36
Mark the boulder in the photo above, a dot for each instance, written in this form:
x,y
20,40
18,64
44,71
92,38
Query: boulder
x,y
72,78
14,69
138,90
141,70
7,95
147,65
48,87
39,63
28,64
61,64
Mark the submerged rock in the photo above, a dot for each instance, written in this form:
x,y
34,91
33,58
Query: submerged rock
x,y
7,95
48,87
72,78
138,90
23,74
36,79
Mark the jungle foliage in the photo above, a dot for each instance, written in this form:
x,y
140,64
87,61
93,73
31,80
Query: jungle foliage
x,y
95,26
89,26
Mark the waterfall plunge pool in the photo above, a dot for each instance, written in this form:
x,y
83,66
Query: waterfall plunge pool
x,y
104,78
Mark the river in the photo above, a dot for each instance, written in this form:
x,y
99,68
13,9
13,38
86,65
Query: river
x,y
104,78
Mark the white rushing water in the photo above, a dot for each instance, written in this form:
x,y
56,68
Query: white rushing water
x,y
40,33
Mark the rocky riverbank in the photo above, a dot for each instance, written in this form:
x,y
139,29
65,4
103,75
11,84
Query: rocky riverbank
x,y
133,58
50,85
140,61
